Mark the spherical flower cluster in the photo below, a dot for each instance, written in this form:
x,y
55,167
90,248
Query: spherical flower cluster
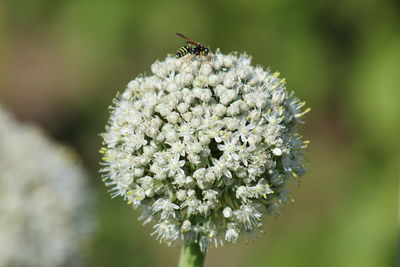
x,y
43,200
205,146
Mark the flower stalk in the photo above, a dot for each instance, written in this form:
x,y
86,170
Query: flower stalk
x,y
191,255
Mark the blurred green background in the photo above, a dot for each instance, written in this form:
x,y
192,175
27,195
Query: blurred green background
x,y
62,62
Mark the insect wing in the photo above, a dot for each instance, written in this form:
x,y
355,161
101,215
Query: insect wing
x,y
188,40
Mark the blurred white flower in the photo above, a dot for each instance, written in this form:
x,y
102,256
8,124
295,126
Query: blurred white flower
x,y
44,201
223,145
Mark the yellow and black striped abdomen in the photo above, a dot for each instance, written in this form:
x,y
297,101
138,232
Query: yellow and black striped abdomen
x,y
183,51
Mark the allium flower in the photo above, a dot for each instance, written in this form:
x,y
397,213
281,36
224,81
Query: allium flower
x,y
43,200
204,146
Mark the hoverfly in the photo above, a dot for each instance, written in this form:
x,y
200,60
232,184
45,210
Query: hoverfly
x,y
194,49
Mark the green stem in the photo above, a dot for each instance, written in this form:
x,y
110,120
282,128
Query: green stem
x,y
191,256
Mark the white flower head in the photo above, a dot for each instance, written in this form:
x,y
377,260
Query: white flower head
x,y
44,199
223,146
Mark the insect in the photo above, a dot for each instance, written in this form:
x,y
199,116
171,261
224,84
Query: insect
x,y
194,49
